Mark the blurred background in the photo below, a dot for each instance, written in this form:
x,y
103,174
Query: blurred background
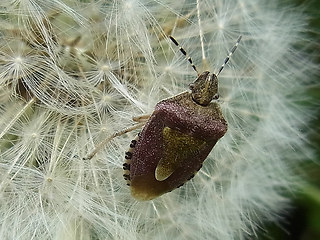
x,y
302,222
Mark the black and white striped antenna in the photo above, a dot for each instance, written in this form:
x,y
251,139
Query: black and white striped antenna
x,y
231,51
184,53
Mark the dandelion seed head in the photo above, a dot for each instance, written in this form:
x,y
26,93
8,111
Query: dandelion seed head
x,y
105,68
73,73
221,25
168,69
18,60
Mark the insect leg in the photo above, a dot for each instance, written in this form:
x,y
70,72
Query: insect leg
x,y
141,118
108,139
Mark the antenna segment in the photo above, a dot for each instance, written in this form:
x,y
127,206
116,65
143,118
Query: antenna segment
x,y
231,51
184,53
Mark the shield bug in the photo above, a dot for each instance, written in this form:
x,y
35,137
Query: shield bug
x,y
176,138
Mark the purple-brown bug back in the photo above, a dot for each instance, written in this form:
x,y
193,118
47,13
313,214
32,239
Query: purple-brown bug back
x,y
173,144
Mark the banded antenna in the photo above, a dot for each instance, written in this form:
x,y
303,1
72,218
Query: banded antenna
x,y
231,51
226,60
184,53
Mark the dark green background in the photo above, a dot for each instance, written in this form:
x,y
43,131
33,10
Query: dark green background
x,y
302,222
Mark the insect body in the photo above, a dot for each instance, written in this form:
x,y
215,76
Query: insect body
x,y
176,139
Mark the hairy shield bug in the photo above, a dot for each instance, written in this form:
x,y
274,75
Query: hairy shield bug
x,y
176,138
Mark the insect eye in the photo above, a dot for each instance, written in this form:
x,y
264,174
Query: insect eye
x,y
216,96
